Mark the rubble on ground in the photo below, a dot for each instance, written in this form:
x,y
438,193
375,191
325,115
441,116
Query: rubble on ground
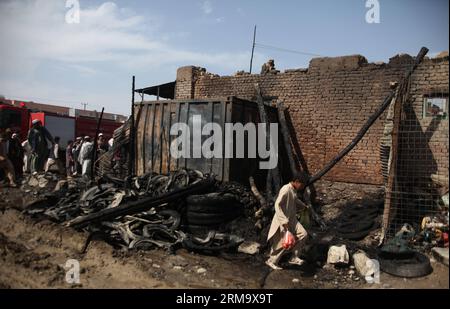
x,y
166,226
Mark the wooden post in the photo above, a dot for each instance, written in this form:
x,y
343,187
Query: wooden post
x,y
275,175
94,152
286,137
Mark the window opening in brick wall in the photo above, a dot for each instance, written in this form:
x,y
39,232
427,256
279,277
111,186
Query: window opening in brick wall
x,y
435,107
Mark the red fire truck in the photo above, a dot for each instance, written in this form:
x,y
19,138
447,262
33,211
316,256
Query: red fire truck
x,y
18,118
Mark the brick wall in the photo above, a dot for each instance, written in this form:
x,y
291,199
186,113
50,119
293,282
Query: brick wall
x,y
328,104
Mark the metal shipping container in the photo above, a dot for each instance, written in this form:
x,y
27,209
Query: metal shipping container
x,y
155,118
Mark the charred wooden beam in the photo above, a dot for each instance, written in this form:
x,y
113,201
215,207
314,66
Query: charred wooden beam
x,y
286,137
354,142
369,122
275,175
310,193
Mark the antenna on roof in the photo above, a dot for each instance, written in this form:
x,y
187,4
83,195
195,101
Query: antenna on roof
x,y
253,49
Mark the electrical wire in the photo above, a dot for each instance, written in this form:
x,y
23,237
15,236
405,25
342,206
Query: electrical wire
x,y
265,46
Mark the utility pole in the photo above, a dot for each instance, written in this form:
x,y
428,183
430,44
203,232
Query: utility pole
x,y
84,105
253,49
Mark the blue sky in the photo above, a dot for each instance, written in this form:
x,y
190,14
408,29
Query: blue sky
x,y
44,59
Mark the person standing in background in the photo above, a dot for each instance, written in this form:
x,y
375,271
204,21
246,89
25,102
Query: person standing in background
x,y
37,137
15,154
85,157
70,163
102,144
5,162
76,155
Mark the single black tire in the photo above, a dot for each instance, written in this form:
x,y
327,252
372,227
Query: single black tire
x,y
214,203
207,219
414,266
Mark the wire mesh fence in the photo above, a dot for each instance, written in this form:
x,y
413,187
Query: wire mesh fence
x,y
421,166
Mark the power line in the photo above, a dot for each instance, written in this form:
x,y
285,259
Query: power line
x,y
265,46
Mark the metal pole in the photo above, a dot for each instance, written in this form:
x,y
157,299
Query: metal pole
x,y
253,49
131,142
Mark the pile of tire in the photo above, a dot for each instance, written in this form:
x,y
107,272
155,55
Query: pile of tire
x,y
356,223
211,211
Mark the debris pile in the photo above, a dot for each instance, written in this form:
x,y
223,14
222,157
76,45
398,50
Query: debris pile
x,y
184,209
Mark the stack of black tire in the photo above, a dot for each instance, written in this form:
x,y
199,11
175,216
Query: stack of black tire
x,y
211,211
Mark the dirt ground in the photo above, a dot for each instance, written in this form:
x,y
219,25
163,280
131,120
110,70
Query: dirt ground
x,y
33,254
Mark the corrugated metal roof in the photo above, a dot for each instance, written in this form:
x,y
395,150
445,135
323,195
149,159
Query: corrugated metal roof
x,y
166,91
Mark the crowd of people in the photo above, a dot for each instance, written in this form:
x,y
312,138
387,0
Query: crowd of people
x,y
41,153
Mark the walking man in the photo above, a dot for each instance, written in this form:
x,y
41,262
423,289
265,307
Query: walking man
x,y
285,219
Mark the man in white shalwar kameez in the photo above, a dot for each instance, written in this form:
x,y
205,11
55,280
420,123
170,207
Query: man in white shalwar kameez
x,y
285,219
85,157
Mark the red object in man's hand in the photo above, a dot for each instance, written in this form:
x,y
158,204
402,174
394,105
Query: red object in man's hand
x,y
288,240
